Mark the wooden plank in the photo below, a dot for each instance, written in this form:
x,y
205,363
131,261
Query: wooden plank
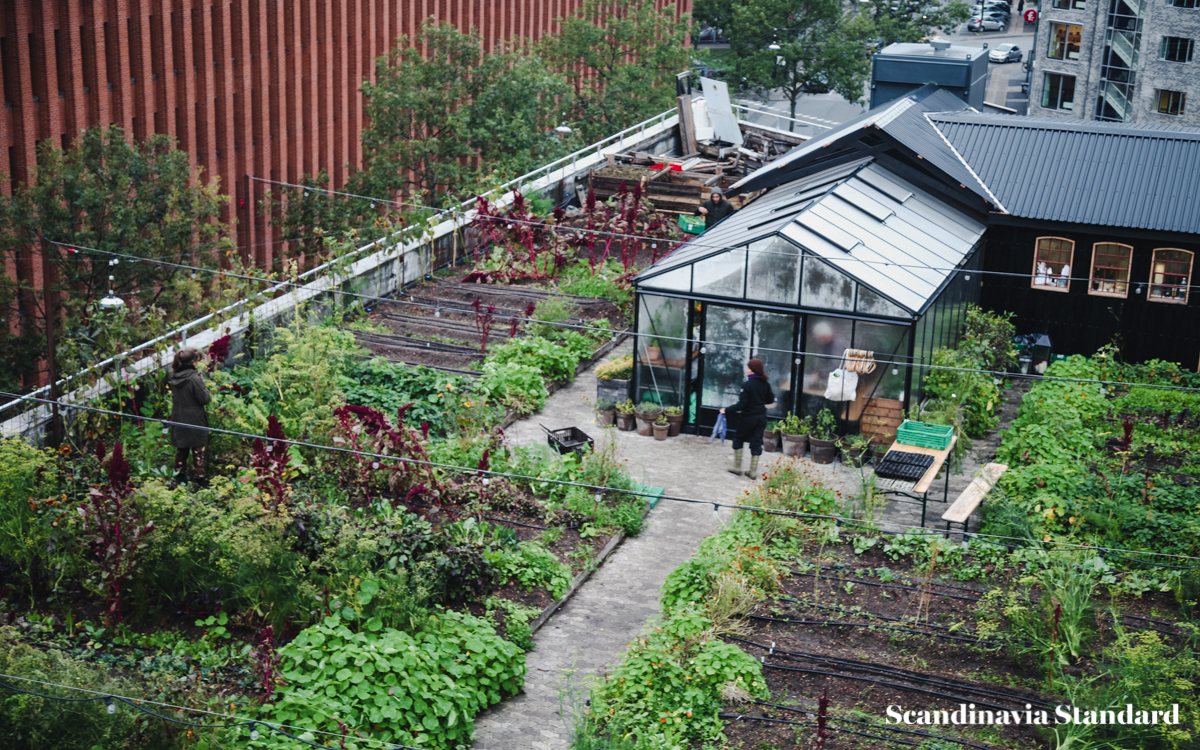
x,y
880,411
687,128
888,403
973,495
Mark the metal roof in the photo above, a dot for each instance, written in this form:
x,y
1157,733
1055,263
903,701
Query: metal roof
x,y
1105,174
860,218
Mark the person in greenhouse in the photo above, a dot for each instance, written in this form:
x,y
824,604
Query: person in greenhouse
x,y
715,208
188,399
751,412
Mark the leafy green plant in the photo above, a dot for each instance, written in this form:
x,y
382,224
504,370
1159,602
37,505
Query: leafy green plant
x,y
423,688
605,404
825,425
673,411
626,406
648,409
661,420
519,387
555,361
30,532
531,565
794,425
965,385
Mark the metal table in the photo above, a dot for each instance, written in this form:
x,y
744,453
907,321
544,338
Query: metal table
x,y
919,490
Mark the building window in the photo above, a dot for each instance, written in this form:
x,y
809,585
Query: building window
x,y
1064,41
1169,274
1184,3
1169,102
1176,49
1070,4
1110,269
1052,264
1058,92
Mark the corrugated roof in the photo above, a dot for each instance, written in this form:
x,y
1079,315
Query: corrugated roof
x,y
868,223
1105,174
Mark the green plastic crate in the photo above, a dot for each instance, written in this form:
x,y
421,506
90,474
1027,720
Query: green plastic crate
x,y
692,224
933,436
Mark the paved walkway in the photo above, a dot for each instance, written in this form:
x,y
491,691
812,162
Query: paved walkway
x,y
611,608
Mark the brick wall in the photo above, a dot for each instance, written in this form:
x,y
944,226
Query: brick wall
x,y
261,87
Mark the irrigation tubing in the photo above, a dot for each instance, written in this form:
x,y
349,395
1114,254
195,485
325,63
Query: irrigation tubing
x,y
889,586
791,621
740,717
901,673
885,683
875,726
894,360
521,477
934,583
136,703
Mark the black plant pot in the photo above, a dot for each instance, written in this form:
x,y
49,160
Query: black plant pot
x,y
823,451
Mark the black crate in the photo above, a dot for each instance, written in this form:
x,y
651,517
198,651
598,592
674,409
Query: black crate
x,y
569,439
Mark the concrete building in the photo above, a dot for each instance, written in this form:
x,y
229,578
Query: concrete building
x,y
1117,61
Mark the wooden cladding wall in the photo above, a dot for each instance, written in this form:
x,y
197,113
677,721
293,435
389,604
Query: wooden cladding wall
x,y
268,88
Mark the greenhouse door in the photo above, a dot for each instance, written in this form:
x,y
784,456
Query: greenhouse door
x,y
732,336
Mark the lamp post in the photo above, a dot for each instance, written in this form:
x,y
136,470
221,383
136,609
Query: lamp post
x,y
50,299
108,304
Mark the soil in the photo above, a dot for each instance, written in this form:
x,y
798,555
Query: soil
x,y
804,619
434,323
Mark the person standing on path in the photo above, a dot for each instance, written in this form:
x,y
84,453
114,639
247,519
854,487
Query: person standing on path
x,y
751,409
188,399
715,208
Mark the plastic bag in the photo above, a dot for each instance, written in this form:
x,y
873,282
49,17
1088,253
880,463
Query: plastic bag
x,y
842,386
719,428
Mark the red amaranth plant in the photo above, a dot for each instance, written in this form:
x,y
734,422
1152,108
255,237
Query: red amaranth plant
x,y
266,662
270,463
364,429
219,348
116,529
485,318
822,718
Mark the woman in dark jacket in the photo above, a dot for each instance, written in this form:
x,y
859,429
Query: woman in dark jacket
x,y
752,410
188,398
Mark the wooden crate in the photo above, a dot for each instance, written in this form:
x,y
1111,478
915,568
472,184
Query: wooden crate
x,y
880,419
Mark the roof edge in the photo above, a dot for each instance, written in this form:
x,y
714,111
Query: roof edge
x,y
996,201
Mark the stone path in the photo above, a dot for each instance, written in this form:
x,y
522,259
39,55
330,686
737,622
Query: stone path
x,y
592,630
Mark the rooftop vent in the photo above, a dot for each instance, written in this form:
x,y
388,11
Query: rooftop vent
x,y
939,48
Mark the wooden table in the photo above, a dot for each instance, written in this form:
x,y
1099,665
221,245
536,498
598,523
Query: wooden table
x,y
920,490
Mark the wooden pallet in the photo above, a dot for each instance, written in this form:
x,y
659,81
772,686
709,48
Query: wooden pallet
x,y
880,419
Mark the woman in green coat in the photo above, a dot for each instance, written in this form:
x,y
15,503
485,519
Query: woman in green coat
x,y
188,399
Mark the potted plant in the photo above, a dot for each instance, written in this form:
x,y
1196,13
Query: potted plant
x,y
645,414
613,378
662,428
653,354
625,418
606,412
674,415
823,438
795,435
771,437
857,448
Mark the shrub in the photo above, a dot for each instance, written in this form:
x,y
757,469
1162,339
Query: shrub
x,y
531,565
555,362
30,536
382,385
975,392
618,368
519,387
420,689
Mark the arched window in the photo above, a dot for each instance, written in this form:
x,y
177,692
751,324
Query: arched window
x,y
1052,264
1110,269
1170,272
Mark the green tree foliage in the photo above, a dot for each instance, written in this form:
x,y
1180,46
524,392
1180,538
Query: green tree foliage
x,y
913,20
620,58
821,48
713,12
431,114
109,193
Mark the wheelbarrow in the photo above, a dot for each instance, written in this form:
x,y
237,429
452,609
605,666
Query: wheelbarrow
x,y
568,439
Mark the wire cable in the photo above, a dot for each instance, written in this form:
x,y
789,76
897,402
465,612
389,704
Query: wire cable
x,y
565,483
236,721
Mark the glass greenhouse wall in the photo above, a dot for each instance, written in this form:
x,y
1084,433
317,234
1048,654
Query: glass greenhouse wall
x,y
821,275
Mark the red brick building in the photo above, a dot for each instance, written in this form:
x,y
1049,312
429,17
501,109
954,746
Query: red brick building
x,y
260,87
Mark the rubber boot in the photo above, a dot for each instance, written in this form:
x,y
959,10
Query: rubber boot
x,y
752,475
737,462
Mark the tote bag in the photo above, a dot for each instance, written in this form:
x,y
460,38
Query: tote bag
x,y
842,385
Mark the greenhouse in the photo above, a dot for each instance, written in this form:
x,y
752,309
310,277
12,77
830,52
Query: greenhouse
x,y
853,257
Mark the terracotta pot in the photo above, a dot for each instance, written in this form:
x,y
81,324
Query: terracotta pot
x,y
795,445
625,421
661,431
675,423
770,441
606,417
645,422
823,451
654,355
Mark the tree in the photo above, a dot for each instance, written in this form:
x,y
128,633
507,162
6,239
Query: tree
x,y
913,20
820,48
109,193
432,115
713,12
620,58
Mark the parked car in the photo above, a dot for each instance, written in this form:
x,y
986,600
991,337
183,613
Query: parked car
x,y
1005,53
987,22
712,35
991,7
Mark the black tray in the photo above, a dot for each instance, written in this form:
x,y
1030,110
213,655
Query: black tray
x,y
903,465
568,439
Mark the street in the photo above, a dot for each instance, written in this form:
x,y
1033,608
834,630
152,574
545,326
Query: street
x,y
817,113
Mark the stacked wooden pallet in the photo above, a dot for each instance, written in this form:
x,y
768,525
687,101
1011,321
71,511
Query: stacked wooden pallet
x,y
880,419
